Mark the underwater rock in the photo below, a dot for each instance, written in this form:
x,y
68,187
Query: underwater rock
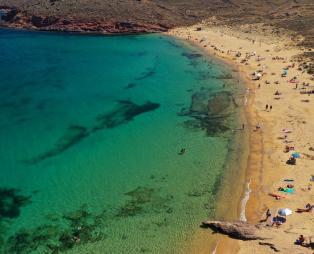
x,y
199,103
144,200
125,112
11,203
203,103
77,228
219,103
139,197
212,126
129,209
209,112
130,85
150,72
224,76
191,55
204,75
173,44
73,135
141,194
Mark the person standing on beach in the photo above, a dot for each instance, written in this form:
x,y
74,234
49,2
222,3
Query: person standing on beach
x,y
266,107
268,214
270,107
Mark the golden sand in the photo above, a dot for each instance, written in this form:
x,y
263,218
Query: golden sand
x,y
266,162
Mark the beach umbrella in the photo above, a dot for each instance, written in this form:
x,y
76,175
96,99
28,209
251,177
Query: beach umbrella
x,y
296,155
284,212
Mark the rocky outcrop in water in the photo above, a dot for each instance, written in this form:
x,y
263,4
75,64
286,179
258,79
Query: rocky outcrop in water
x,y
239,230
13,18
210,113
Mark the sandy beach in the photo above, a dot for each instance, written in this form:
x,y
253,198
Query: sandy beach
x,y
279,112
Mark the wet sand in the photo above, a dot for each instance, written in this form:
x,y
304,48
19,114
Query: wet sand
x,y
266,163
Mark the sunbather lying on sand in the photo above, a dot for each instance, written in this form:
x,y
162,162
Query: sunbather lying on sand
x,y
308,208
288,149
300,240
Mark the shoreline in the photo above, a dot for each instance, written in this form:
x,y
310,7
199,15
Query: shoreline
x,y
264,146
239,146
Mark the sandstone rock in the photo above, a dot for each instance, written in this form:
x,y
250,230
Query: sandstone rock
x,y
238,230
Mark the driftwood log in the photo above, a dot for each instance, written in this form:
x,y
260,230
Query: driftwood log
x,y
238,230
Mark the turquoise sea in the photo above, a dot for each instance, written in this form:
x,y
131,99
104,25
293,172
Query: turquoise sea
x,y
91,130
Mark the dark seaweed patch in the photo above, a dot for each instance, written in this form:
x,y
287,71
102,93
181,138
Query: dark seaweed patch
x,y
140,54
150,72
11,203
224,76
77,228
173,44
204,75
144,200
58,86
72,136
191,56
199,191
130,85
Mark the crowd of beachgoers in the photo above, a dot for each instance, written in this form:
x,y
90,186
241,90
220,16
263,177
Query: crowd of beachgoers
x,y
280,113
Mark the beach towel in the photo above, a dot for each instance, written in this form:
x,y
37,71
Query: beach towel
x,y
288,190
296,155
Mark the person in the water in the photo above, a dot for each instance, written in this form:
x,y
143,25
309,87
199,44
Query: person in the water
x,y
182,151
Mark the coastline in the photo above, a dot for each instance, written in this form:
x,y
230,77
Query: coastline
x,y
235,168
12,17
260,163
264,146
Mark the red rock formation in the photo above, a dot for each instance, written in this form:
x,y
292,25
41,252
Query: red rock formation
x,y
13,18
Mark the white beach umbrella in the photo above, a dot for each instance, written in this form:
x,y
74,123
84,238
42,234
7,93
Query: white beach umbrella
x,y
284,212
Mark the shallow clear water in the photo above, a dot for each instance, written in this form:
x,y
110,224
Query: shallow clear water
x,y
90,131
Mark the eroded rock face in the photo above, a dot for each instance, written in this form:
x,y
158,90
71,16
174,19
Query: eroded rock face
x,y
239,230
39,21
7,14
